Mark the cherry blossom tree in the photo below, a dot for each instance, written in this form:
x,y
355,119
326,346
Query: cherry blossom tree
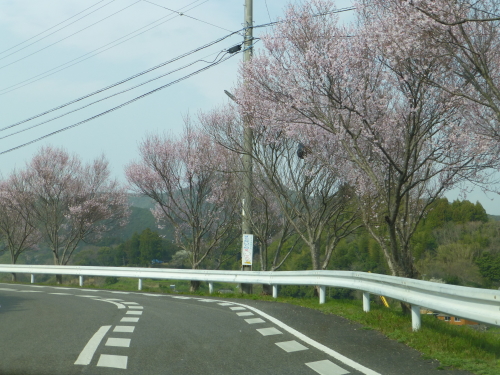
x,y
311,198
72,202
17,224
186,177
366,106
463,35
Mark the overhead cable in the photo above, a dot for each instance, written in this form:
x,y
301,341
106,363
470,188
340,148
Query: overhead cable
x,y
120,82
69,36
120,106
75,61
183,14
60,23
115,94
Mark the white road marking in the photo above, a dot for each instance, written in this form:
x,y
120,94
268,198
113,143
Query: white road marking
x,y
60,287
8,289
151,295
30,291
119,305
130,303
136,307
86,296
255,320
120,292
112,341
92,290
182,297
291,346
207,300
247,313
113,299
129,320
269,331
237,308
226,304
88,352
62,294
127,329
133,312
116,361
38,286
327,368
349,362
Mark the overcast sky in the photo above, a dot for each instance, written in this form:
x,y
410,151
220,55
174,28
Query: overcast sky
x,y
38,38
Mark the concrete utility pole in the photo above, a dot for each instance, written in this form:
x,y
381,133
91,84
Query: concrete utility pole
x,y
247,142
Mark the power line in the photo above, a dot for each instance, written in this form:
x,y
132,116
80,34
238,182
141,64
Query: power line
x,y
69,36
182,14
121,82
68,64
314,15
60,23
119,106
116,94
143,95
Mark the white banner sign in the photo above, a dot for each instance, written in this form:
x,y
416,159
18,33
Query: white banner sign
x,y
247,250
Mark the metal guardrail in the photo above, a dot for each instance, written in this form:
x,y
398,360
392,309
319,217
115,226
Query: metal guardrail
x,y
480,305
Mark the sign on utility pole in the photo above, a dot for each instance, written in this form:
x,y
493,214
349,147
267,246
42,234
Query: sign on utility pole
x,y
247,156
247,250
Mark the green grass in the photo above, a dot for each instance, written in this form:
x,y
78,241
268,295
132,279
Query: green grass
x,y
455,347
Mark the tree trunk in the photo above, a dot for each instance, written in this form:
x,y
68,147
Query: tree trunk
x,y
14,277
59,279
195,285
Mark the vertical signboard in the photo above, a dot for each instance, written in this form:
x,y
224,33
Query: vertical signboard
x,y
247,250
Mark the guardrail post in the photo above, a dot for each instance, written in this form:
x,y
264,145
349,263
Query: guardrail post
x,y
275,291
366,302
211,287
140,285
32,278
416,322
80,280
322,294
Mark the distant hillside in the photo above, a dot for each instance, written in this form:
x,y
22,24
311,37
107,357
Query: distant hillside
x,y
494,217
141,201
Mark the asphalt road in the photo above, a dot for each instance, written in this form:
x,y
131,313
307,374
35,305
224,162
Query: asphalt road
x,y
49,330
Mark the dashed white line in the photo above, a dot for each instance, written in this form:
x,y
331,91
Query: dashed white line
x,y
129,320
237,308
61,294
112,341
126,329
349,362
136,307
133,312
88,352
116,361
327,367
255,320
226,304
246,313
269,331
130,303
119,305
30,291
291,346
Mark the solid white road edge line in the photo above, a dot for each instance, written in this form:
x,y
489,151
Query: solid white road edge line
x,y
317,345
87,353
